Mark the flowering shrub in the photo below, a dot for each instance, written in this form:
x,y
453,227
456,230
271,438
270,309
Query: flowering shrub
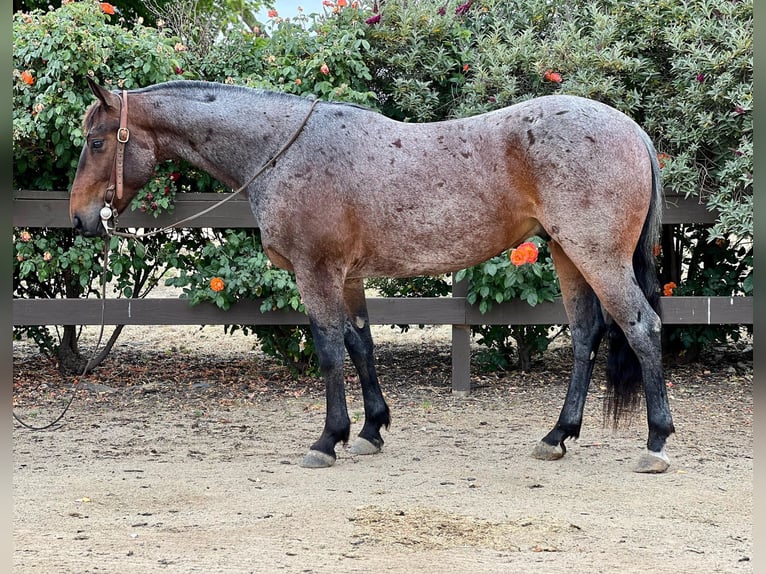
x,y
693,266
53,53
682,70
59,49
232,266
531,278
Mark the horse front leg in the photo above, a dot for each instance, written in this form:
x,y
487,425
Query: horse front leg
x,y
358,340
321,289
328,342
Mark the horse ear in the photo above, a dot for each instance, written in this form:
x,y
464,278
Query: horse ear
x,y
107,98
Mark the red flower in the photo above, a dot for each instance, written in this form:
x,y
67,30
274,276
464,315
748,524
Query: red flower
x,y
524,253
466,67
107,8
324,69
272,13
216,284
463,8
373,20
27,78
552,76
662,158
668,288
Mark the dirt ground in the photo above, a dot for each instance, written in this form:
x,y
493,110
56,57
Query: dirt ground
x,y
181,454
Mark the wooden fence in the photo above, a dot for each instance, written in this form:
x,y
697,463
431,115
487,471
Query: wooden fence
x,y
50,209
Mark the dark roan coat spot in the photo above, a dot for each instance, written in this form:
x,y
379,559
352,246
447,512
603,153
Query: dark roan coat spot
x,y
397,143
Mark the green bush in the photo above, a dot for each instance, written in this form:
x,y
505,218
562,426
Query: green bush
x,y
498,281
53,53
231,267
682,70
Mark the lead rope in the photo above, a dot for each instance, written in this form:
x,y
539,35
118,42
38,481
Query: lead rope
x,y
108,213
78,381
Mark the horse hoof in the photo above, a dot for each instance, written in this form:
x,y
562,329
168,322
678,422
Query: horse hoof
x,y
363,446
544,451
652,463
317,459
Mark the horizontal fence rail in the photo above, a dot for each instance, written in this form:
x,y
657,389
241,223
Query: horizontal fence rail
x,y
51,209
383,311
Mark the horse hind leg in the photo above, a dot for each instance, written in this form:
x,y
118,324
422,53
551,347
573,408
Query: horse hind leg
x,y
586,325
358,340
640,325
638,363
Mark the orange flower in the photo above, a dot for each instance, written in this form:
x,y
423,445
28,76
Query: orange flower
x,y
552,76
27,78
668,288
662,158
466,67
107,8
272,13
298,81
216,284
342,3
524,253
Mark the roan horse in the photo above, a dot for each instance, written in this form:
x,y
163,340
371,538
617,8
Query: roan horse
x,y
359,195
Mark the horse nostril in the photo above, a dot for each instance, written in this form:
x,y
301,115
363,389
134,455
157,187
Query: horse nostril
x,y
77,223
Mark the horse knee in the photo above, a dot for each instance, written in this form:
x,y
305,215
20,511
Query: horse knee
x,y
329,346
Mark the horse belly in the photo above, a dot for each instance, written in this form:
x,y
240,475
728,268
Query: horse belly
x,y
435,247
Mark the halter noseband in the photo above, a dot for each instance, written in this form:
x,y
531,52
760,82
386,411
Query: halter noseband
x,y
116,179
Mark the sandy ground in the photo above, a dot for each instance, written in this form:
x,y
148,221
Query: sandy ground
x,y
201,474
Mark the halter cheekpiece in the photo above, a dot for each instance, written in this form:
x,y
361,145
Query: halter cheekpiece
x,y
116,180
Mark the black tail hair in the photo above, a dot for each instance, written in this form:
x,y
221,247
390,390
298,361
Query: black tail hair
x,y
624,380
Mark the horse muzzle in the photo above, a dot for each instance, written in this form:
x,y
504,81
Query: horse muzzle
x,y
89,226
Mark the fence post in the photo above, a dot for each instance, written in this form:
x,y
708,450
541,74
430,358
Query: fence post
x,y
461,347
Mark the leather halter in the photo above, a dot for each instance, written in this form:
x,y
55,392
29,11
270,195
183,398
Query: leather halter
x,y
123,135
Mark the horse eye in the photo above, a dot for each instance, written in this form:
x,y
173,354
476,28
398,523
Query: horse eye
x,y
97,144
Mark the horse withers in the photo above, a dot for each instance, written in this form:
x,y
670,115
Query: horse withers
x,y
359,195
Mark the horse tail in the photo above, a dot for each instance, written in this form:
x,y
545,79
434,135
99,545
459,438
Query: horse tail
x,y
623,370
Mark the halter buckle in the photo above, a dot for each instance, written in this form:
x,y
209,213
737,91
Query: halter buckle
x,y
123,135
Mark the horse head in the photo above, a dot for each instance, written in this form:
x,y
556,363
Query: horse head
x,y
117,159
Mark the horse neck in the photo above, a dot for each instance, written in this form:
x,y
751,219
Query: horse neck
x,y
230,137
